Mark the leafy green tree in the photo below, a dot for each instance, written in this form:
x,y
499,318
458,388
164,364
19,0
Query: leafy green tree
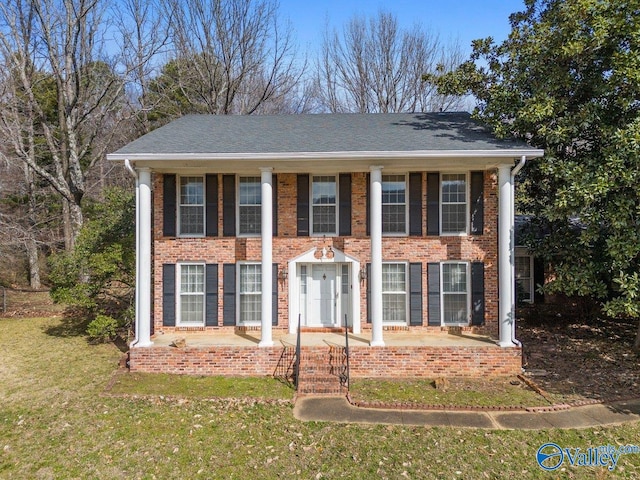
x,y
99,274
567,80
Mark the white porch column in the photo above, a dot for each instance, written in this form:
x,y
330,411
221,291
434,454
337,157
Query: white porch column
x,y
505,257
266,339
143,255
376,257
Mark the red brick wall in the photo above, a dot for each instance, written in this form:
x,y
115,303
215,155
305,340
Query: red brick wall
x,y
288,245
369,362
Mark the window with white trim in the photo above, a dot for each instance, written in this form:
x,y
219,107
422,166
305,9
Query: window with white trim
x,y
191,206
394,204
249,206
524,276
191,294
394,293
250,293
453,204
324,200
455,293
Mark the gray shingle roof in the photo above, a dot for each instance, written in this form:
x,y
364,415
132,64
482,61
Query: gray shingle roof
x,y
234,134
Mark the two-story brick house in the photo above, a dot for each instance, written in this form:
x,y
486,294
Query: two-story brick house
x,y
394,222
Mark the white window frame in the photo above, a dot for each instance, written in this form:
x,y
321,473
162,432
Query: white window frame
x,y
179,321
524,253
238,205
336,205
467,291
202,206
466,203
406,295
239,293
406,205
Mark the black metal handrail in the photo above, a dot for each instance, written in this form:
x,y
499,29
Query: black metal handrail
x,y
346,347
297,364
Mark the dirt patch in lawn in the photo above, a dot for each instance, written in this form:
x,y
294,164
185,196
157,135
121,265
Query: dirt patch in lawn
x,y
574,359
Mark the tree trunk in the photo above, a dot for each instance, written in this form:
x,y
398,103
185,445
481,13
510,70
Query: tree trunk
x,y
636,344
31,248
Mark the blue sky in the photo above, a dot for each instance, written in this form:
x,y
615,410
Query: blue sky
x,y
462,20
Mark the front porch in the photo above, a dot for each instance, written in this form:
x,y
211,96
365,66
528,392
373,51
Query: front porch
x,y
405,354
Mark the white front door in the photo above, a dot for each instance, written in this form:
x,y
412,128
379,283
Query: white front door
x,y
322,296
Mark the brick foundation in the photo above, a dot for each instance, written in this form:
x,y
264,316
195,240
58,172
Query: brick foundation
x,y
365,362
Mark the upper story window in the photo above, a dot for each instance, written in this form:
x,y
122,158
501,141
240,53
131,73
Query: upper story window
x,y
191,208
249,206
324,205
394,204
453,215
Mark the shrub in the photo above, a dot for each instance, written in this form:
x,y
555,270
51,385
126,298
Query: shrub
x,y
103,328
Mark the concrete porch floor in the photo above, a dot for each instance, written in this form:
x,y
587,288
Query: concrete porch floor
x,y
310,339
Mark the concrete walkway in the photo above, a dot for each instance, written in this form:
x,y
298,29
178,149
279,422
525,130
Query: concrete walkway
x,y
338,409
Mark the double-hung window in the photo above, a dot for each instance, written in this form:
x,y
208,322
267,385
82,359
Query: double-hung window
x,y
249,206
455,293
524,275
191,297
394,204
250,290
394,293
453,204
191,210
324,205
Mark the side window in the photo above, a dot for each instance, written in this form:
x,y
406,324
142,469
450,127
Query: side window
x,y
524,277
394,204
323,205
191,206
453,215
249,206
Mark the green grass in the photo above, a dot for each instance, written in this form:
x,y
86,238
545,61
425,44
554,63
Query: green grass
x,y
56,422
460,392
199,386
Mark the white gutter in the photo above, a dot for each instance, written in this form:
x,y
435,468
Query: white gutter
x,y
134,174
512,243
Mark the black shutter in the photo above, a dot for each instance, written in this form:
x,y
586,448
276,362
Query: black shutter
x,y
211,191
345,204
477,203
477,293
415,293
274,295
274,193
169,206
368,280
229,294
303,205
433,203
433,286
368,201
415,204
169,295
229,205
211,302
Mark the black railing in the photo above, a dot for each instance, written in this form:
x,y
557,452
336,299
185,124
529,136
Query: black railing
x,y
346,350
297,360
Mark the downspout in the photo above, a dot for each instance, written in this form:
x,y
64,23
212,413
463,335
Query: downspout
x,y
134,174
512,244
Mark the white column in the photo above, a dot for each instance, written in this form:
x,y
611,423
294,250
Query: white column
x,y
505,258
143,254
266,339
376,257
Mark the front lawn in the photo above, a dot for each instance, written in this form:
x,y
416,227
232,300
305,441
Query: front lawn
x,y
56,422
